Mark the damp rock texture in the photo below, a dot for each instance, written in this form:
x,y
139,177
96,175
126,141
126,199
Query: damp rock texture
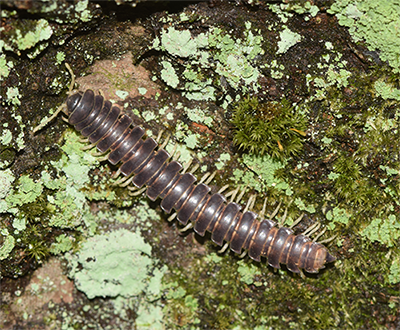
x,y
294,103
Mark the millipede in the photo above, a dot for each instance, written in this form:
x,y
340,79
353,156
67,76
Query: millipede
x,y
149,166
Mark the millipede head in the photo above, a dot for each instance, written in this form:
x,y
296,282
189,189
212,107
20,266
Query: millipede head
x,y
72,102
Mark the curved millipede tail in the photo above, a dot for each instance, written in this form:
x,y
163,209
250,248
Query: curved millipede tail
x,y
105,126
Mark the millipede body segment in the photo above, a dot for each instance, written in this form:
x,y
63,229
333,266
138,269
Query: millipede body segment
x,y
112,131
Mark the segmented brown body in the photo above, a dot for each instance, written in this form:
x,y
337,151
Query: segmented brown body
x,y
104,125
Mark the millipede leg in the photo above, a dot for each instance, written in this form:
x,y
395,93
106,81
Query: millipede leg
x,y
127,182
330,239
137,193
204,177
62,107
223,249
99,153
210,178
223,189
275,211
123,180
71,86
173,151
187,227
187,165
242,255
319,235
232,193
176,155
250,203
282,221
158,138
262,213
50,119
312,229
116,174
297,221
173,216
88,147
163,145
239,198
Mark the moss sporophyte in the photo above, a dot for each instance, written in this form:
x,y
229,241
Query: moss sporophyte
x,y
273,128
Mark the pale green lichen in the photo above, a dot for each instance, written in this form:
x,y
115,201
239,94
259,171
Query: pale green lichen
x,y
169,75
83,12
7,246
42,31
62,244
301,8
191,141
336,75
149,317
68,204
280,12
180,43
288,39
223,159
143,216
394,275
265,167
338,215
115,264
13,96
197,115
6,137
385,231
376,22
19,224
5,67
234,56
122,94
6,180
247,272
60,57
303,207
232,59
387,91
275,69
27,192
142,90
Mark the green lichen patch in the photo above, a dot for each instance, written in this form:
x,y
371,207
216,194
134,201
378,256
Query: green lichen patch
x,y
13,96
68,203
375,22
26,34
5,67
387,91
6,180
288,39
8,244
118,263
265,167
211,55
26,192
63,243
386,231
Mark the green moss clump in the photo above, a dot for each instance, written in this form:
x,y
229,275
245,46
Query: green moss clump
x,y
274,128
